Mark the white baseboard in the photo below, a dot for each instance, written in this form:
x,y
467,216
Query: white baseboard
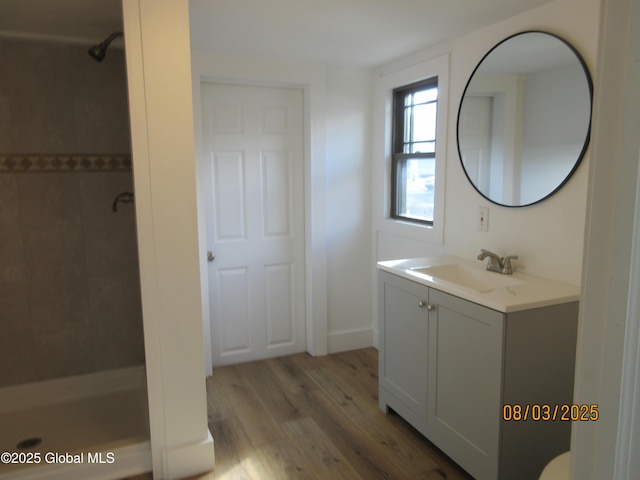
x,y
188,460
346,340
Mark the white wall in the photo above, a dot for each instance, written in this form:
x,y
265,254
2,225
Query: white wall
x,y
548,237
348,189
551,146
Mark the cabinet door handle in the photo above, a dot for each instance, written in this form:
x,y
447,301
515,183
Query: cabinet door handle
x,y
423,304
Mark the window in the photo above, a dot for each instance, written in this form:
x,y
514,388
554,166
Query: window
x,y
414,151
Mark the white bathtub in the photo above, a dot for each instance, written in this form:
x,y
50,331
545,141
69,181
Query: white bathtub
x,y
87,427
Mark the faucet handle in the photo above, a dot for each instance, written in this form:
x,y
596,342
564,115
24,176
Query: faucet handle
x,y
494,263
506,268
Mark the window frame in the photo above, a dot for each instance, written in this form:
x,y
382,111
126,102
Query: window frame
x,y
399,158
393,237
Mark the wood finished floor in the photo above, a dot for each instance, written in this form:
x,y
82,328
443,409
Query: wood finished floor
x,y
303,417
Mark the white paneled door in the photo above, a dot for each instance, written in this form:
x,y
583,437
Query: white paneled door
x,y
253,137
474,131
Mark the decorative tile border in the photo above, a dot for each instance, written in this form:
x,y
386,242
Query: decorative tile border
x,y
64,163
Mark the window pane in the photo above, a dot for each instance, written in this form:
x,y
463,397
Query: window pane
x,y
423,147
424,122
415,188
408,100
423,96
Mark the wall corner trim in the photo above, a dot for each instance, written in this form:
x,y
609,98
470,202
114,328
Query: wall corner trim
x,y
188,460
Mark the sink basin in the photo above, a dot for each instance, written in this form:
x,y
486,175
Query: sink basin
x,y
469,280
474,278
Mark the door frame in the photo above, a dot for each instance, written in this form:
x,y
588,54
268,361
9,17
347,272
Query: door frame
x,y
608,347
211,67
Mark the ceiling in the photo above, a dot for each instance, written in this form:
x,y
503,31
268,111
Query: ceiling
x,y
337,32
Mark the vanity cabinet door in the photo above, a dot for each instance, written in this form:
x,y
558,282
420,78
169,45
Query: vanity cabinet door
x,y
465,374
403,344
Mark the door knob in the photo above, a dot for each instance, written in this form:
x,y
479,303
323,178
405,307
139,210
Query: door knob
x,y
210,256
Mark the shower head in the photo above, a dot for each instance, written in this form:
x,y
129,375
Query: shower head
x,y
98,52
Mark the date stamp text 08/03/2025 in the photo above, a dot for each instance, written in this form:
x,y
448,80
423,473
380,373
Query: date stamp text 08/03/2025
x,y
550,413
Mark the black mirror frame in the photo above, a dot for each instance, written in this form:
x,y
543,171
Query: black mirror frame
x,y
588,135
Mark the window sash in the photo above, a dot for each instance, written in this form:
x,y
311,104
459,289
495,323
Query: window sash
x,y
405,105
408,146
403,200
423,114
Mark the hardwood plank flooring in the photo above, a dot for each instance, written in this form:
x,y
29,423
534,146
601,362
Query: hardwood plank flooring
x,y
316,418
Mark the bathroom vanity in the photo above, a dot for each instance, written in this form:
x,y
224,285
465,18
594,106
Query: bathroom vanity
x,y
478,362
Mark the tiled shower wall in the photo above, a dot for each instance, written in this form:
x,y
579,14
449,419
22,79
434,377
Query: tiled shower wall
x,y
69,280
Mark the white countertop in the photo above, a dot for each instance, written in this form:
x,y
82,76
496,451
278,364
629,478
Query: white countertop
x,y
529,292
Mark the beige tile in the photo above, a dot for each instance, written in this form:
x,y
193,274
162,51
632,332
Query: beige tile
x,y
5,124
62,353
116,321
55,100
111,250
100,102
2,61
37,81
98,191
14,308
12,256
17,353
49,200
75,105
111,242
9,201
48,250
115,347
58,301
115,300
101,129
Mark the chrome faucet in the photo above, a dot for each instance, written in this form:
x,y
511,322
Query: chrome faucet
x,y
497,263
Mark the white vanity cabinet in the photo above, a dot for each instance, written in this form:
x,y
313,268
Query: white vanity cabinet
x,y
448,366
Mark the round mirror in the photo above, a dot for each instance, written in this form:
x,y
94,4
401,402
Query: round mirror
x,y
524,119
